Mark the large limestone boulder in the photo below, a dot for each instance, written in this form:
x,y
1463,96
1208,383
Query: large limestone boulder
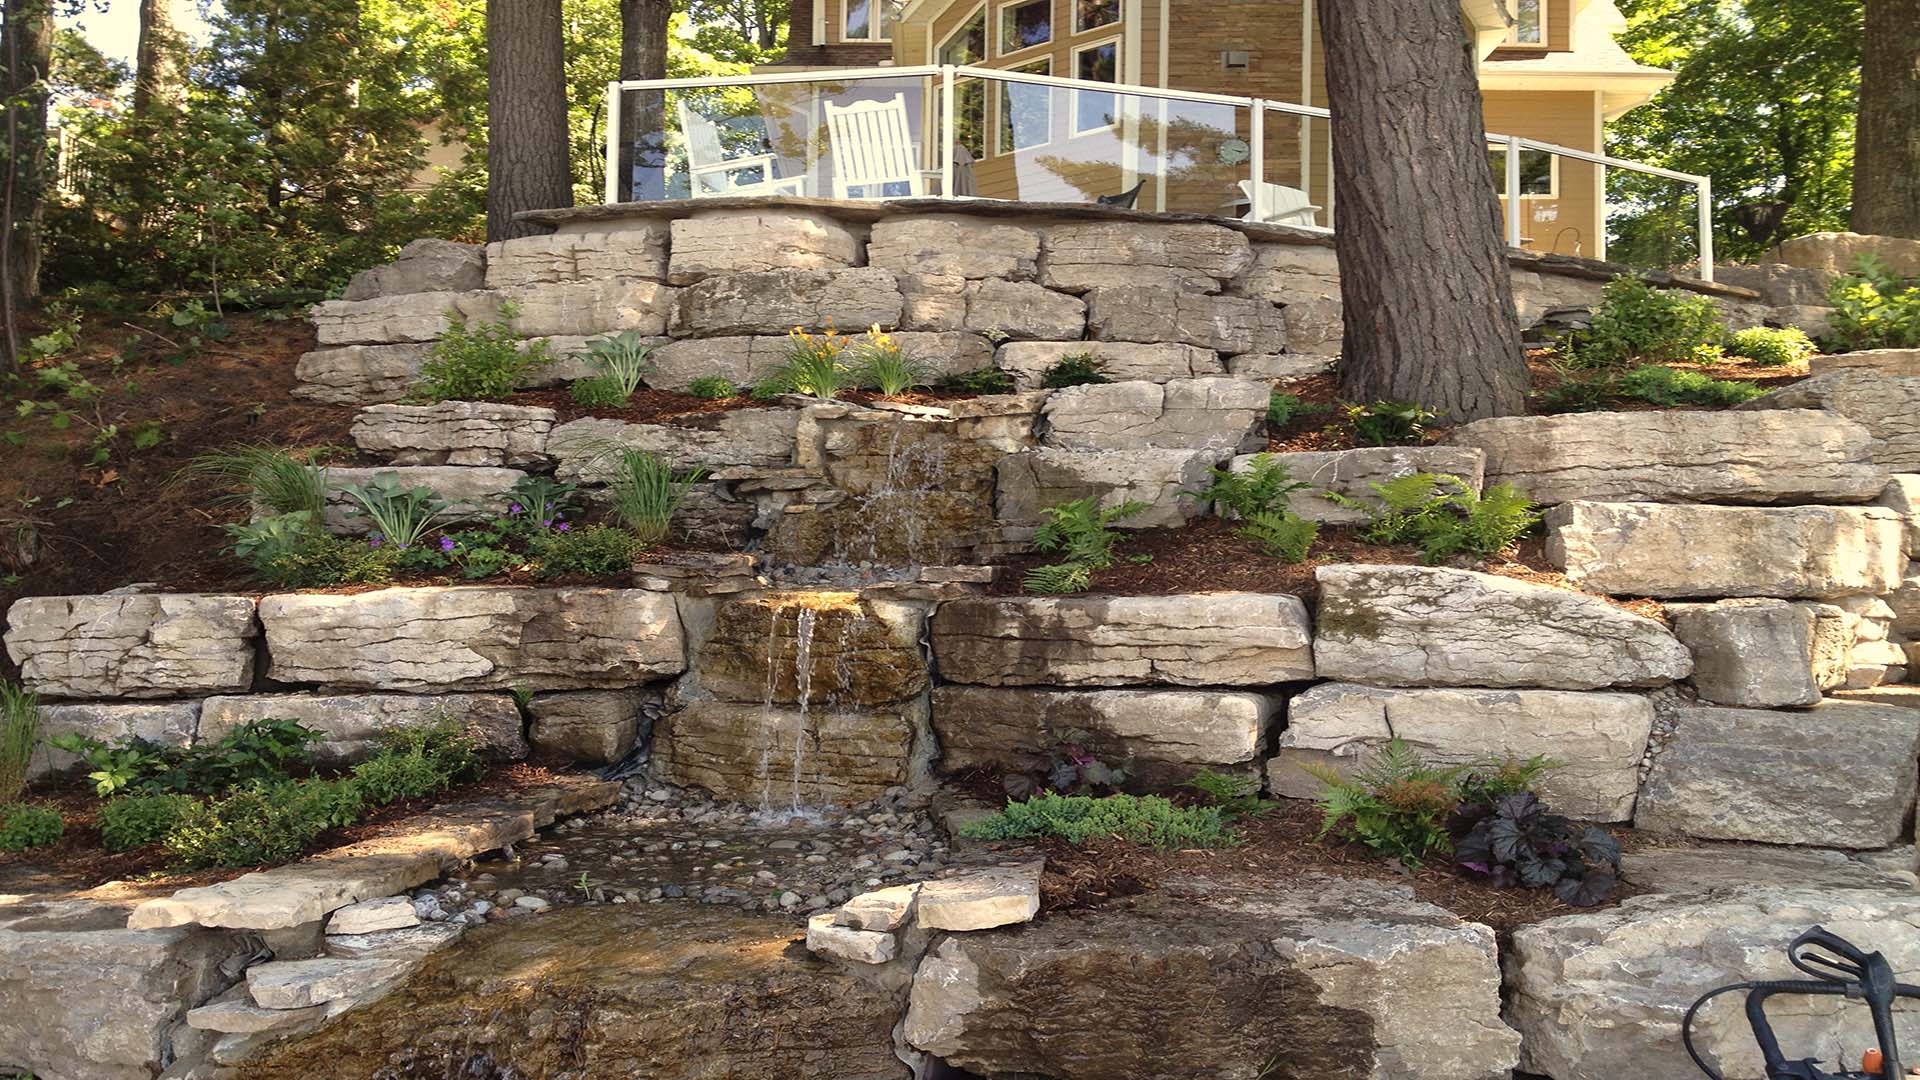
x,y
591,308
1840,252
1905,602
1778,284
1904,362
638,251
715,242
1319,977
1888,406
1600,739
1306,281
1017,310
424,266
1202,639
592,727
163,723
775,301
359,374
1087,255
1431,626
1600,996
455,433
1752,652
1160,737
1228,324
1902,496
1840,774
1652,549
144,645
351,724
1163,479
473,638
476,492
859,652
780,756
954,245
1191,414
714,440
1352,473
411,317
1122,361
1779,456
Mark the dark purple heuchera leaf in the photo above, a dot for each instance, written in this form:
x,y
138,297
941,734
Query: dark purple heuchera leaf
x,y
1064,775
1588,890
1520,843
1019,786
1101,774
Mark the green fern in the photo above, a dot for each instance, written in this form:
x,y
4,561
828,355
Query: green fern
x,y
1082,531
1283,536
1058,579
1444,516
1262,487
1394,803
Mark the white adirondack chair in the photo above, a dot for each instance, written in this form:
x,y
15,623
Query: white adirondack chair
x,y
1285,205
873,147
711,172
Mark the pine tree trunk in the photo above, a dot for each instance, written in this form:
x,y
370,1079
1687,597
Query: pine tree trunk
x,y
643,55
157,78
527,138
1424,278
1886,156
26,57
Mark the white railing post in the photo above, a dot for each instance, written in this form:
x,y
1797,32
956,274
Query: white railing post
x,y
1513,192
613,142
1706,228
1257,152
948,134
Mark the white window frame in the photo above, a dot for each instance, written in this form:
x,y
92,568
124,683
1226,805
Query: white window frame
x,y
1119,76
1513,32
1119,18
986,43
874,21
1002,115
1553,174
997,22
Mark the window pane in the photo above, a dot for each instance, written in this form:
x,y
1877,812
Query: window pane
x,y
970,116
1536,171
1089,14
859,19
1527,21
889,10
968,45
1098,64
1026,111
1023,26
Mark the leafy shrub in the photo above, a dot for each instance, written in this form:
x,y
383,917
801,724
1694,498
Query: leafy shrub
x,y
1444,516
479,362
259,825
416,762
1636,322
1578,394
643,489
1236,796
24,826
258,751
880,363
19,733
324,561
712,388
985,381
1395,803
1675,386
1141,819
1389,423
1767,345
1080,532
814,366
114,769
1259,495
535,503
597,551
1874,308
1520,843
1076,369
273,544
402,516
133,820
1073,768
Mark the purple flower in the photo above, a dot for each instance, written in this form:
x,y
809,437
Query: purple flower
x,y
546,524
446,543
563,526
373,541
515,509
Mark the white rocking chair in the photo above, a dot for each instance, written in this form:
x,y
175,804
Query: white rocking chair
x,y
1285,205
711,173
873,147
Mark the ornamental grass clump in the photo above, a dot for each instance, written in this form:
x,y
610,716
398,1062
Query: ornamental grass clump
x,y
19,734
880,363
644,490
1139,819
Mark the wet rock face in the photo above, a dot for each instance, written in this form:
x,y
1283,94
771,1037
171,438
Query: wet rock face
x,y
668,993
859,652
781,757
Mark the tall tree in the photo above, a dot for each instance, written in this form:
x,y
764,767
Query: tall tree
x,y
644,33
159,71
26,67
1424,278
1886,170
527,141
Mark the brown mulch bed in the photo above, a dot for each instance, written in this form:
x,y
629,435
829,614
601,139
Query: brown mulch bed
x,y
78,861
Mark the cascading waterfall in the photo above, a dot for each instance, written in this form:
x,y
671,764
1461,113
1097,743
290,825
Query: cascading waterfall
x,y
803,688
812,690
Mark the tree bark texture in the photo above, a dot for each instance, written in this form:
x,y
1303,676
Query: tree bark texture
x,y
1424,279
26,54
527,138
158,77
1886,156
643,55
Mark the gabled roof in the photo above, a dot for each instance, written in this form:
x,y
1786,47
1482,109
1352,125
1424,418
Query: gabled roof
x,y
1597,63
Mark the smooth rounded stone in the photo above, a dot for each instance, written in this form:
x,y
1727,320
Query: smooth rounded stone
x,y
393,320
1028,483
1278,365
778,756
981,899
1084,255
715,242
1207,639
1434,626
476,492
351,724
1320,970
474,637
411,941
860,652
563,258
591,727
713,440
1777,456
359,374
1753,652
455,433
827,938
1840,252
532,903
1121,361
140,645
954,245
1599,738
1228,324
776,301
1840,774
1902,496
1352,473
1600,996
1020,310
1888,406
1188,414
296,984
424,266
1654,549
166,723
1160,737
1904,362
370,916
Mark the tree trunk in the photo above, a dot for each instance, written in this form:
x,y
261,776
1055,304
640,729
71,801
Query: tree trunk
x,y
1424,278
157,78
527,140
643,55
26,55
1886,156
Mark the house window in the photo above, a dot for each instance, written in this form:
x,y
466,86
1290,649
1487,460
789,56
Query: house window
x,y
1026,110
1094,14
968,45
1529,23
1537,174
870,20
1096,63
1024,25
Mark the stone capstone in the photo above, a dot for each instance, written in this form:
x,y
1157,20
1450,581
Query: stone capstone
x,y
163,723
1188,414
474,638
781,756
981,899
351,725
142,645
1228,324
388,320
1352,473
591,727
717,242
424,266
1599,738
1840,774
469,492
566,258
860,652
1753,652
1777,456
954,245
1205,639
1028,483
774,302
370,916
1651,549
1194,257
1888,406
583,448
455,433
1433,626
359,374
1121,361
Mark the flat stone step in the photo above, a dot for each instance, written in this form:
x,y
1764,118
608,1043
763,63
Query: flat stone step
x,y
300,984
408,942
368,916
237,1014
981,899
